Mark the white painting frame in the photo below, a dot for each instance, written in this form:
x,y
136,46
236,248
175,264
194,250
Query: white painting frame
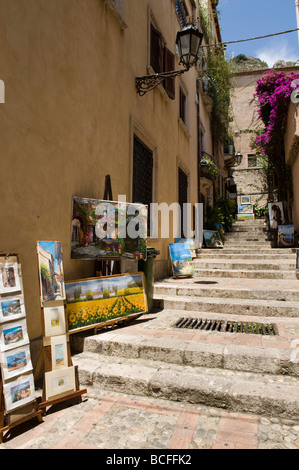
x,y
9,275
19,392
15,362
54,318
59,354
13,335
12,308
60,382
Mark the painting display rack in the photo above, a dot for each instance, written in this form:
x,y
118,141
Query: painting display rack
x,y
61,380
17,401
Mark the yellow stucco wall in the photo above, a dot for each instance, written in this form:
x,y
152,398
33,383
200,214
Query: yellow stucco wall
x,y
70,112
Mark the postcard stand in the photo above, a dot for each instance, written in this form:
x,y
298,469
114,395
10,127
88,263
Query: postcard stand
x,y
46,352
13,418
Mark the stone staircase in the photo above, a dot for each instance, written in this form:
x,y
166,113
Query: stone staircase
x,y
246,281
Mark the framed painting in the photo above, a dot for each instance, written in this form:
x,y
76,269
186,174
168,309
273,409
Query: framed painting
x,y
13,334
59,382
245,216
54,318
212,239
15,362
285,237
9,275
245,199
19,392
276,214
108,228
50,270
12,308
59,352
189,242
181,260
94,301
245,208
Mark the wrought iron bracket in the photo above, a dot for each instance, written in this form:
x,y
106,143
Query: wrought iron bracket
x,y
149,82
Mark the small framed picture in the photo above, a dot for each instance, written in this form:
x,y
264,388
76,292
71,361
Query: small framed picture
x,y
19,392
59,352
245,199
9,275
12,308
15,362
54,318
13,335
59,382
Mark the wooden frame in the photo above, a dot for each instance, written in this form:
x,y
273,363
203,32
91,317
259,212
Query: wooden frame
x,y
104,311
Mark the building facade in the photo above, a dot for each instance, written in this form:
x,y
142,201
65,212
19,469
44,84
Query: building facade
x,y
72,115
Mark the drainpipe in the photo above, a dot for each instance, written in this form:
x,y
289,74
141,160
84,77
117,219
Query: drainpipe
x,y
198,140
297,15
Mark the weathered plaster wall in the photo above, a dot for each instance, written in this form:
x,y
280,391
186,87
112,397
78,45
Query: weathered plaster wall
x,y
71,110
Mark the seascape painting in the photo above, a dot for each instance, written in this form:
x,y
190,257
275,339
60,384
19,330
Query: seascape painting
x,y
181,260
11,308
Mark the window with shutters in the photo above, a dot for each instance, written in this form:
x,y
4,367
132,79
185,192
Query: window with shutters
x,y
143,167
162,60
182,111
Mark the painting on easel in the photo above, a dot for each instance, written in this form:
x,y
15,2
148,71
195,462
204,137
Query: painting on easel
x,y
107,228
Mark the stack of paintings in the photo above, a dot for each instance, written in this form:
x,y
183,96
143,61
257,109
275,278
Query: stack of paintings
x,y
181,259
59,371
245,209
16,365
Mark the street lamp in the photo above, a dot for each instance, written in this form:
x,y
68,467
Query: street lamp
x,y
188,41
238,158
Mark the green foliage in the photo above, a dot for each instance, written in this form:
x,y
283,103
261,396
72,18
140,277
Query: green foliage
x,y
261,211
220,214
218,75
89,295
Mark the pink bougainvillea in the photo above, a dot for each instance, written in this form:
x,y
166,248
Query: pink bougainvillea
x,y
273,96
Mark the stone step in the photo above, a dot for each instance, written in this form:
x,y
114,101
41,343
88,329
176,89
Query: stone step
x,y
244,273
238,391
221,254
277,294
254,244
269,308
245,264
248,250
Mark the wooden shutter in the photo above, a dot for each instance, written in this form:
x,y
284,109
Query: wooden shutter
x,y
156,50
169,64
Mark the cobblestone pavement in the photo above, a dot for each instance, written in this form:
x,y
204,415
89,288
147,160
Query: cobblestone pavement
x,y
107,420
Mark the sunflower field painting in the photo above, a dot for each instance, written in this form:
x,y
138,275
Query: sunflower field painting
x,y
90,302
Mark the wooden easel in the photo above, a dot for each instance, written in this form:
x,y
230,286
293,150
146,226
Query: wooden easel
x,y
46,360
108,189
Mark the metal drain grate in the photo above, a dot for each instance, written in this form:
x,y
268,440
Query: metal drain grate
x,y
224,326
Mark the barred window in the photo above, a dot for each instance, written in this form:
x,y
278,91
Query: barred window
x,y
143,167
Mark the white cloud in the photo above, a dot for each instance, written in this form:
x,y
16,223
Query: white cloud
x,y
271,53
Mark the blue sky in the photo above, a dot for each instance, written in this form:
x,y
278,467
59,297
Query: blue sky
x,y
242,19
